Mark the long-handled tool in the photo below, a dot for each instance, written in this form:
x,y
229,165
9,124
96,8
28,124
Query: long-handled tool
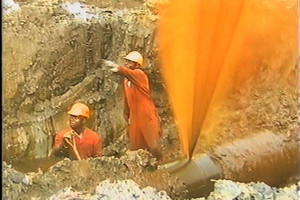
x,y
67,138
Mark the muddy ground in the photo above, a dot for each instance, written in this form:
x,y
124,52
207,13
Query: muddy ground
x,y
133,176
84,176
51,58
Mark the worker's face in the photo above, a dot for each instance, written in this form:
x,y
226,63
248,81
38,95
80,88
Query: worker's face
x,y
130,64
76,122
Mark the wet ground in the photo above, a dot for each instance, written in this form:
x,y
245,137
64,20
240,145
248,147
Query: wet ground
x,y
129,176
33,165
85,175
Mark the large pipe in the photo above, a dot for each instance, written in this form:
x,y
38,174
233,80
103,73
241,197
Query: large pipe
x,y
265,157
197,174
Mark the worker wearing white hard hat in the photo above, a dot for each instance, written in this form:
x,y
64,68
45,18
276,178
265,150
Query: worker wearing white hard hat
x,y
139,110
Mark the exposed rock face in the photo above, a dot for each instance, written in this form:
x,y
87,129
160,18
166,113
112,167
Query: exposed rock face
x,y
52,57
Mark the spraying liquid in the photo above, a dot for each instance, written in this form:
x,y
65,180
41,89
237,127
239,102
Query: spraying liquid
x,y
209,48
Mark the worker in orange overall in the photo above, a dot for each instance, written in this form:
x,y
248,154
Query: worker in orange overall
x,y
139,110
78,141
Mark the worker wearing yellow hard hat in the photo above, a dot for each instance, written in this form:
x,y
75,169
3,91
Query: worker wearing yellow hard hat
x,y
78,141
139,110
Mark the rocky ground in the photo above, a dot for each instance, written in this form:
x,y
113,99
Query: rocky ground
x,y
133,176
140,167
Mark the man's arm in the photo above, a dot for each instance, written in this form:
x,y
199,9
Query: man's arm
x,y
136,76
97,147
58,143
126,112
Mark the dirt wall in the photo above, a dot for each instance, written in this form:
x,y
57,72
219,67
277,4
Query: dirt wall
x,y
52,58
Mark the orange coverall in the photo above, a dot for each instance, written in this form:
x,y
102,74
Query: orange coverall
x,y
139,110
89,145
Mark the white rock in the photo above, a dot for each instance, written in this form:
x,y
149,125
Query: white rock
x,y
10,6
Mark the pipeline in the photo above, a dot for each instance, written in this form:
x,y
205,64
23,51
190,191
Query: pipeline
x,y
265,157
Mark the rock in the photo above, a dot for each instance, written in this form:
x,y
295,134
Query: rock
x,y
123,190
18,178
66,194
10,6
142,158
127,190
226,189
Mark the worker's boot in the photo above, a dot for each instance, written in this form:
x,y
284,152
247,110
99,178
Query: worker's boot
x,y
157,153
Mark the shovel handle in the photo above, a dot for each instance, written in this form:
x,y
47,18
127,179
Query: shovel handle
x,y
74,149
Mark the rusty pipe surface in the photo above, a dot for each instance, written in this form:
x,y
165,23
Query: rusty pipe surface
x,y
265,157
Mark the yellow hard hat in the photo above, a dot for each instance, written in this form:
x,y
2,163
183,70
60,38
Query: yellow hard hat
x,y
135,57
80,109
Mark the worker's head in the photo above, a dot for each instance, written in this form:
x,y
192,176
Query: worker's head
x,y
78,114
134,60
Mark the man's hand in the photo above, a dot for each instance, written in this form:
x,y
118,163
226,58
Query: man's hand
x,y
111,65
68,135
128,121
54,151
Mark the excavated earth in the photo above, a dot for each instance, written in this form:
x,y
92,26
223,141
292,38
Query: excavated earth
x,y
52,57
85,175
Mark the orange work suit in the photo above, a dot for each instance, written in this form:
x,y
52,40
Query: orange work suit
x,y
139,111
89,145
